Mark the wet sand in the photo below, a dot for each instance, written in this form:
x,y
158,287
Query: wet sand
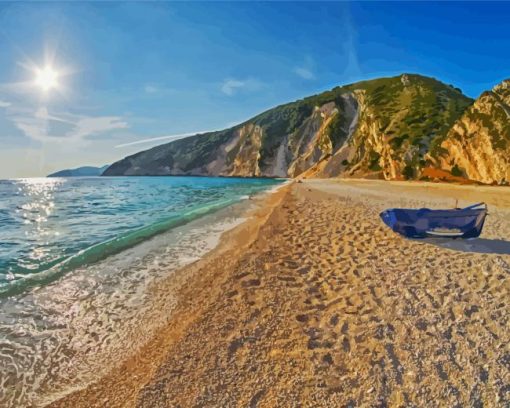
x,y
314,302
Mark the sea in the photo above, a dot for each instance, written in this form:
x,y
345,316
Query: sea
x,y
80,263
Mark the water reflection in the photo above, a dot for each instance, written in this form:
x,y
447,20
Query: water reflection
x,y
45,221
37,204
71,332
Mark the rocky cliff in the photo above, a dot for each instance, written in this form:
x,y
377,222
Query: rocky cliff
x,y
478,145
390,128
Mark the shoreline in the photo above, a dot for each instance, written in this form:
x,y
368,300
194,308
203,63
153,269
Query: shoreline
x,y
241,235
66,334
313,301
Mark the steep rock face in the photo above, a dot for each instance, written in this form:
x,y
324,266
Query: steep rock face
x,y
337,163
282,142
402,121
311,142
197,155
478,145
398,119
247,142
378,128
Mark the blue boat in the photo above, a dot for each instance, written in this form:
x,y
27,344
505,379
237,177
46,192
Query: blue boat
x,y
424,222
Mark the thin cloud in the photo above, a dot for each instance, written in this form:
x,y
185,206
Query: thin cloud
x,y
37,125
4,104
31,127
231,86
86,126
151,89
42,113
155,89
352,68
168,137
304,73
306,69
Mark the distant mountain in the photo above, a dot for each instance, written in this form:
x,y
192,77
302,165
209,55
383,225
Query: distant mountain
x,y
86,171
404,127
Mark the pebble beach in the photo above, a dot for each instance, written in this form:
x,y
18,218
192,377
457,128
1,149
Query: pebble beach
x,y
314,302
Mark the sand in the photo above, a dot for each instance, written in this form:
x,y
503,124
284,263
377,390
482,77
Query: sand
x,y
313,302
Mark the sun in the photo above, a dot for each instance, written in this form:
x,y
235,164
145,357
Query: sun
x,y
46,78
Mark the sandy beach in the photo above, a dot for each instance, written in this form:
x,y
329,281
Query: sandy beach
x,y
314,302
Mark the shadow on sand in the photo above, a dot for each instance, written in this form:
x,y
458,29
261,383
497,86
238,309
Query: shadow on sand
x,y
480,245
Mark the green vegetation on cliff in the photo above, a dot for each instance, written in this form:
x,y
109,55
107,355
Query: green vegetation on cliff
x,y
478,144
391,128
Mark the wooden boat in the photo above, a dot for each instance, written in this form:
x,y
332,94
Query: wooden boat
x,y
424,222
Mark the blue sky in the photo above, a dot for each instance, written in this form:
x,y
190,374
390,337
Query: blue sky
x,y
137,71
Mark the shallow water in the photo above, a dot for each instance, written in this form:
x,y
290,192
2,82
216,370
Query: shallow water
x,y
50,226
117,238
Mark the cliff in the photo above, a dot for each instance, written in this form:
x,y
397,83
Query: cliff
x,y
391,128
478,145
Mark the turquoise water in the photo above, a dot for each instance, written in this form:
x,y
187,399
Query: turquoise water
x,y
87,270
50,226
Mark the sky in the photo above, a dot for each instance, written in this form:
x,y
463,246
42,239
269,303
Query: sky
x,y
130,76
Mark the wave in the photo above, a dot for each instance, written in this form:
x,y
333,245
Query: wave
x,y
101,251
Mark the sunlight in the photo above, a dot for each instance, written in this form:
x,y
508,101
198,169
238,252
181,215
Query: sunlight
x,y
46,78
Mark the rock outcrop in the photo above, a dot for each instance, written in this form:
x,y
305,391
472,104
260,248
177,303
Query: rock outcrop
x,y
478,145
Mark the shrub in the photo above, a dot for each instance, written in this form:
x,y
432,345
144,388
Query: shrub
x,y
374,161
408,172
457,172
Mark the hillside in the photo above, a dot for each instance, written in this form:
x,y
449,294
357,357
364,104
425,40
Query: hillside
x,y
390,128
85,171
478,145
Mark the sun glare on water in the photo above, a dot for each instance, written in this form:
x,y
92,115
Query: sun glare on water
x,y
46,78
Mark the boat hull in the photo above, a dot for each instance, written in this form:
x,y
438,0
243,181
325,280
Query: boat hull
x,y
424,222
